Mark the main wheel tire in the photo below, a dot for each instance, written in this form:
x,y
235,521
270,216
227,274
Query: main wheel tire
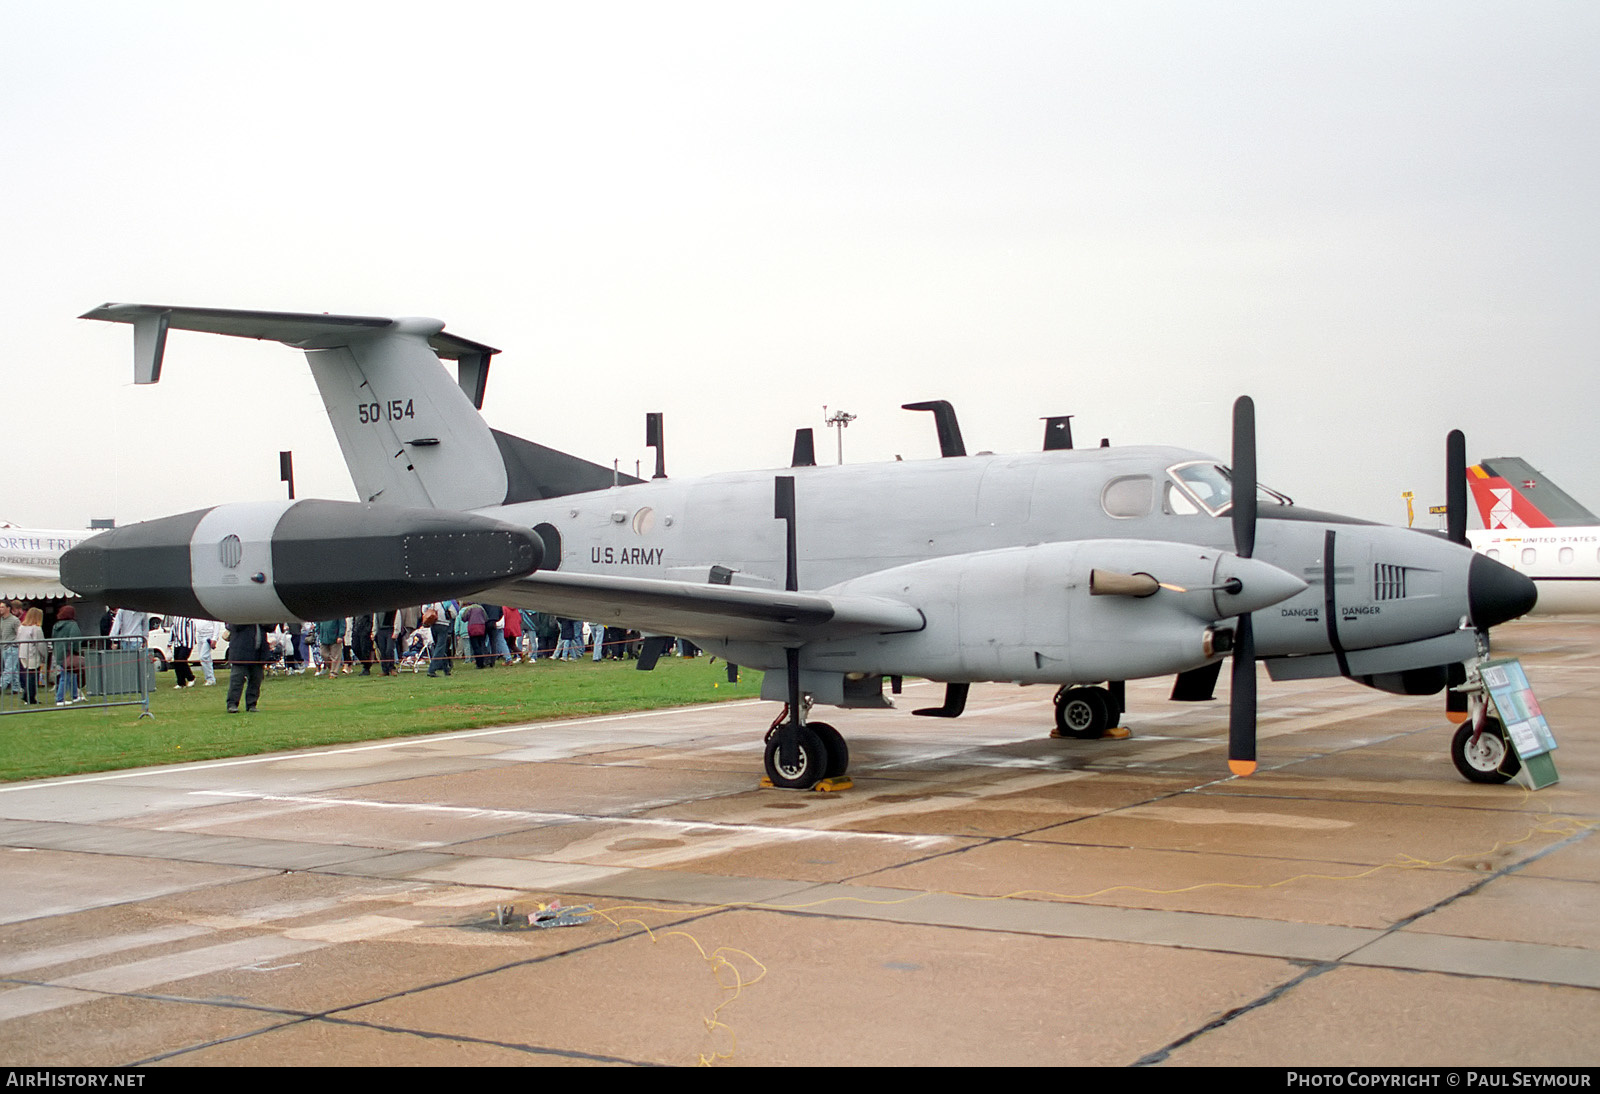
x,y
1487,761
1082,713
834,745
1114,709
811,763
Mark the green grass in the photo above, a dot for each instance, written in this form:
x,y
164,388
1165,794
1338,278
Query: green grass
x,y
307,711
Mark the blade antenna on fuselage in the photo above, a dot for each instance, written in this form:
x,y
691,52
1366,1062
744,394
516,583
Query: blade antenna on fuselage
x,y
944,420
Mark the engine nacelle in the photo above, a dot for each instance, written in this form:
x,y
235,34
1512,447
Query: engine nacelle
x,y
266,562
1028,614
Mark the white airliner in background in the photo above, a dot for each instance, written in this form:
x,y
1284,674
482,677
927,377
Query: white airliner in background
x,y
1534,526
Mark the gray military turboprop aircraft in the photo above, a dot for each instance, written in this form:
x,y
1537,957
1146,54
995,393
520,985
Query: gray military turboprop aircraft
x,y
1070,567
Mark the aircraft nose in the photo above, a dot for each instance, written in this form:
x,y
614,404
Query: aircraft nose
x,y
1496,593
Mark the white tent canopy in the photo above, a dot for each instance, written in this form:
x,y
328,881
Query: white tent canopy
x,y
30,561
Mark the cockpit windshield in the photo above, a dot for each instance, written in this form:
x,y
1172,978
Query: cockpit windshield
x,y
1210,485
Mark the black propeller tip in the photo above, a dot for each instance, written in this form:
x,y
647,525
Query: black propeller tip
x,y
1244,476
1242,701
1455,486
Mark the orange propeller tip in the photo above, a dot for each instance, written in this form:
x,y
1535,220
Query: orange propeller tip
x,y
1456,717
1242,767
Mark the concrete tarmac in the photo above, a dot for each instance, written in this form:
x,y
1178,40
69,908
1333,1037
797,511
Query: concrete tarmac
x,y
983,895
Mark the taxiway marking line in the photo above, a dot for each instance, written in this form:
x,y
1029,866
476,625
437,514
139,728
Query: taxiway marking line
x,y
28,960
140,975
676,826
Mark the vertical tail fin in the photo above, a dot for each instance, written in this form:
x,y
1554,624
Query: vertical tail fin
x,y
1511,493
410,436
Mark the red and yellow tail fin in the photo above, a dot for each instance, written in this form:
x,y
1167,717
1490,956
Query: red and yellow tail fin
x,y
1501,504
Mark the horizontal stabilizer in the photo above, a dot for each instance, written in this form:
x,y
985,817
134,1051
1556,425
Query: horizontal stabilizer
x,y
409,436
302,330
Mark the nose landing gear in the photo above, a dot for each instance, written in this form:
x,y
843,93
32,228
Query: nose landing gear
x,y
1481,755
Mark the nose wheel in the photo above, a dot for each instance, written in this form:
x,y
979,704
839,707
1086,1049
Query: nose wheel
x,y
1487,759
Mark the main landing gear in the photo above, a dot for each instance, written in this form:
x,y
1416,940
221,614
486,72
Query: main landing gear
x,y
1088,713
822,756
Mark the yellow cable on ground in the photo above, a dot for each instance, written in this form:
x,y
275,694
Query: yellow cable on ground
x,y
718,960
721,965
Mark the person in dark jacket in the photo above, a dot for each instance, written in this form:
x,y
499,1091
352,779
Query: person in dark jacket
x,y
249,649
441,623
330,639
383,634
478,634
67,649
361,642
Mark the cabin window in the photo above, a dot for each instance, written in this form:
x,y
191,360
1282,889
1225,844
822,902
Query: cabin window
x,y
1566,556
1176,502
1211,485
1493,552
644,520
1529,556
1208,483
1128,496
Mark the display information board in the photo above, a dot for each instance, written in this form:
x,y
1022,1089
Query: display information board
x,y
1518,710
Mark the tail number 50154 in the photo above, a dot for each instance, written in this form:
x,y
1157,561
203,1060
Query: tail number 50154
x,y
392,411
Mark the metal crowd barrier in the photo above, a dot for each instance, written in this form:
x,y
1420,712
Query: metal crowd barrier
x,y
115,672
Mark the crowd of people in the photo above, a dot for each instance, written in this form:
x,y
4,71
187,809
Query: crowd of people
x,y
435,638
29,659
439,636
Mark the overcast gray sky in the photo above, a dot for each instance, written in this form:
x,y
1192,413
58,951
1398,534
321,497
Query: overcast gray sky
x,y
1377,218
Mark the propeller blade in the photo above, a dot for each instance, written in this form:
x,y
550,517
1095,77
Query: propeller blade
x,y
1455,486
1242,701
1244,476
1455,502
1242,697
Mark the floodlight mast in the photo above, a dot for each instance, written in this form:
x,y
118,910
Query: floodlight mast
x,y
838,420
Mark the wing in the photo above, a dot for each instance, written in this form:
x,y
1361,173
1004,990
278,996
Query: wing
x,y
692,610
